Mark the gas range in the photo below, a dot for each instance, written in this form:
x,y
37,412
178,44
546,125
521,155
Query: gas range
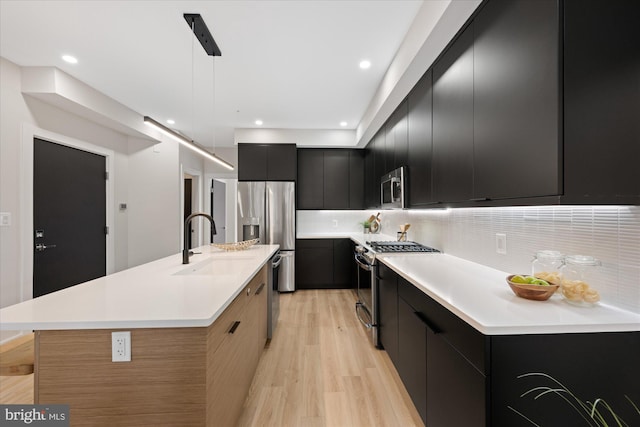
x,y
394,247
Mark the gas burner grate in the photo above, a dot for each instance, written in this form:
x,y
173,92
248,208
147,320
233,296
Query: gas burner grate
x,y
391,246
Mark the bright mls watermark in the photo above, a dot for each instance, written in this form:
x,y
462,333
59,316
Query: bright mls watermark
x,y
34,415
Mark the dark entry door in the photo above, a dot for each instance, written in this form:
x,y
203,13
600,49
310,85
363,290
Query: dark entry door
x,y
69,217
188,209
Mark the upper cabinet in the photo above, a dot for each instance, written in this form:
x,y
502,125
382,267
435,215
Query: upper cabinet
x,y
452,166
330,179
516,100
267,162
601,102
420,142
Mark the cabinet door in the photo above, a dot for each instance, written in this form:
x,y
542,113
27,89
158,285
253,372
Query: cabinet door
x,y
281,162
310,185
455,389
380,159
420,142
336,179
412,356
516,99
356,179
371,201
343,264
453,121
601,101
252,165
401,143
388,311
314,263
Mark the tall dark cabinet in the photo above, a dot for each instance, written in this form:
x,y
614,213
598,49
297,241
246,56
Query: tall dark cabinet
x,y
602,101
453,121
420,142
516,102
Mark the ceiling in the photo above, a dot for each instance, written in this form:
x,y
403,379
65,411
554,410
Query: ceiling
x,y
291,64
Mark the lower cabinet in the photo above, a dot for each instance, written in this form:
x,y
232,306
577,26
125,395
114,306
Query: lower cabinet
x,y
457,376
325,264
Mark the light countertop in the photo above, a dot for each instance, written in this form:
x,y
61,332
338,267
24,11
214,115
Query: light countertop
x,y
160,294
480,296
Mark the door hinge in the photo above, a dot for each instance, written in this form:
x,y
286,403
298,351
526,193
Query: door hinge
x,y
106,229
106,176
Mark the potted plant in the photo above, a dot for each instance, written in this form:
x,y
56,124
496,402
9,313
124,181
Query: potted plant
x,y
367,226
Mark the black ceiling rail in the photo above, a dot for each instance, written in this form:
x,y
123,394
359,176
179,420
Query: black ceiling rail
x,y
202,33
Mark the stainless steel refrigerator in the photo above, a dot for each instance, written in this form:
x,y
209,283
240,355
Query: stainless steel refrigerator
x,y
267,211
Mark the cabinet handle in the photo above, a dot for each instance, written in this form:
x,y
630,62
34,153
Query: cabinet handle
x,y
427,322
480,199
259,289
234,326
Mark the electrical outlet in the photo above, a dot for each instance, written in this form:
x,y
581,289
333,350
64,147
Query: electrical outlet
x,y
335,223
501,243
121,346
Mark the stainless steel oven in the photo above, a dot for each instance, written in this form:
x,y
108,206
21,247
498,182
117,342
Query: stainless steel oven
x,y
367,306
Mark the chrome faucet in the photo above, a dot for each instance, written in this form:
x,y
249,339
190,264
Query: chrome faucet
x,y
185,252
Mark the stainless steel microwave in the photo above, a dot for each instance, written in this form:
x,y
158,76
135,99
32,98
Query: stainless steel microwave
x,y
392,189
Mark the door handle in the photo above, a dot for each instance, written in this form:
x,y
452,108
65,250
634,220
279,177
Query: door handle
x,y
41,247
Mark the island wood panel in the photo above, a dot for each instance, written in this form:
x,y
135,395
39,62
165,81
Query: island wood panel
x,y
164,384
232,364
177,376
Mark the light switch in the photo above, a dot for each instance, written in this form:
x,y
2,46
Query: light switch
x,y
5,219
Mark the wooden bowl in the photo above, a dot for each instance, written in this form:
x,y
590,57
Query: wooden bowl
x,y
533,292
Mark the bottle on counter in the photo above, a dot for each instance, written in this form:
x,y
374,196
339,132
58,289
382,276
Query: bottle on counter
x,y
546,265
577,278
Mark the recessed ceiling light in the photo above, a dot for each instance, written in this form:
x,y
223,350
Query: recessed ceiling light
x,y
259,122
343,124
365,64
70,59
171,121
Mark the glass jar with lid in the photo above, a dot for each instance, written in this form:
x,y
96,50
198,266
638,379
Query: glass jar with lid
x,y
578,280
546,266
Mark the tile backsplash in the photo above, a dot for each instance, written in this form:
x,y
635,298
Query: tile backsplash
x,y
609,233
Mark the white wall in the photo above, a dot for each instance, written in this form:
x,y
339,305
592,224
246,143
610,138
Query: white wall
x,y
146,178
609,233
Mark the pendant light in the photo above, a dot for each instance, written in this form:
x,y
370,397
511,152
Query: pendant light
x,y
201,32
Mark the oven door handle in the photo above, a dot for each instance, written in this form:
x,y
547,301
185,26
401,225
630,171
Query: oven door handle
x,y
362,262
360,307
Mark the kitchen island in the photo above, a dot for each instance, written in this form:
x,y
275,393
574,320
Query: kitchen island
x,y
197,332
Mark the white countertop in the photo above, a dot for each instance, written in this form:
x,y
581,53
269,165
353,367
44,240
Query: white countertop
x,y
481,296
160,294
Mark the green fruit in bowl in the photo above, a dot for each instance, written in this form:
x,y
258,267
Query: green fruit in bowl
x,y
518,279
540,282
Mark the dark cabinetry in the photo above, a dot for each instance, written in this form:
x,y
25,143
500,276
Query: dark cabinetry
x,y
324,264
456,376
441,361
516,100
601,101
267,162
388,310
453,121
420,142
396,143
330,179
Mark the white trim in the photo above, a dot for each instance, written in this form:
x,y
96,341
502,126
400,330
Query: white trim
x,y
28,133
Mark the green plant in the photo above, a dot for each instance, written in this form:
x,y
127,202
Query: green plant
x,y
594,413
366,224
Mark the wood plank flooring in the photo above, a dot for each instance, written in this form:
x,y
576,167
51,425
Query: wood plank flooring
x,y
320,370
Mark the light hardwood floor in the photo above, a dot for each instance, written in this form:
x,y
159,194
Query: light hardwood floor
x,y
320,369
